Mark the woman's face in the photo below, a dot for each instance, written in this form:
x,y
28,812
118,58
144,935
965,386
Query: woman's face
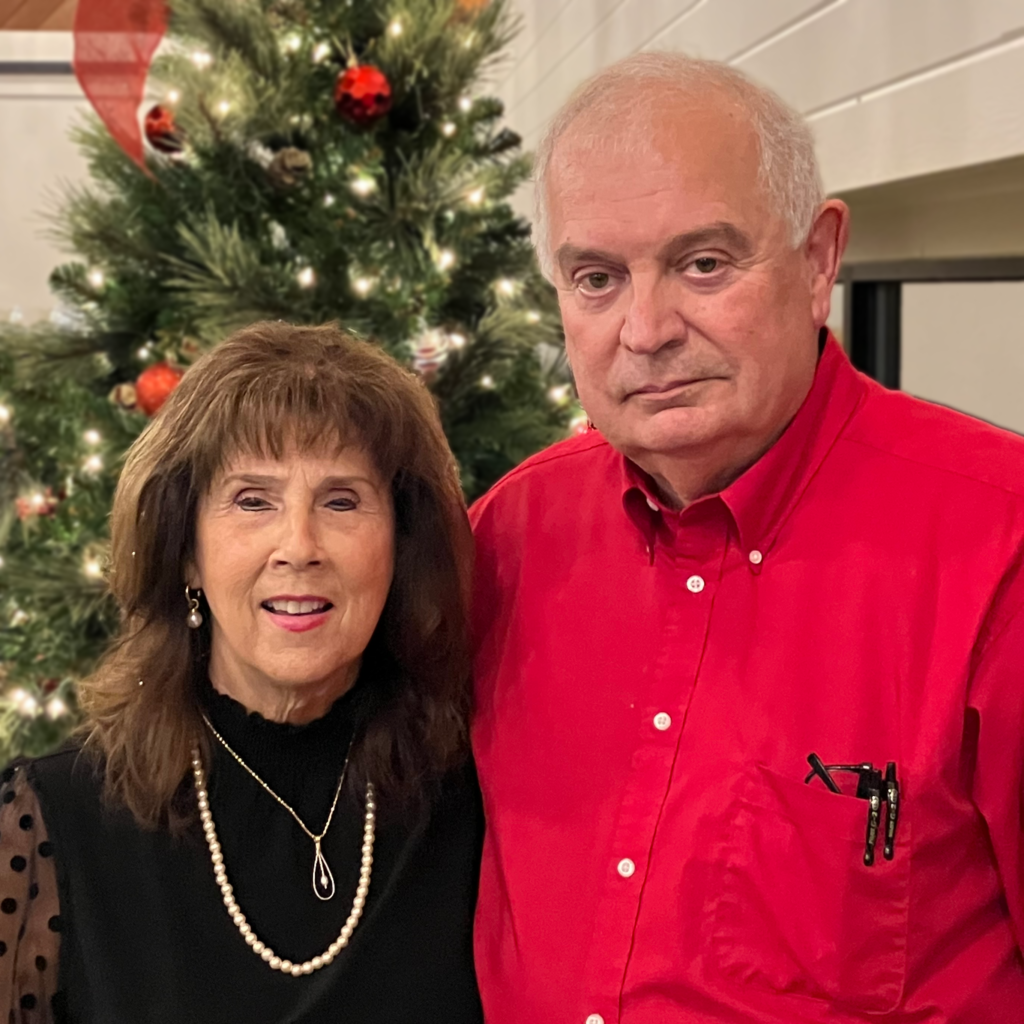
x,y
295,558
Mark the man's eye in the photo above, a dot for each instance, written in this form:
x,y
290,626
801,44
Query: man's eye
x,y
597,281
705,264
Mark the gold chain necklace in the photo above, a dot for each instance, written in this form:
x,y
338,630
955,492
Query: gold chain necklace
x,y
261,949
323,879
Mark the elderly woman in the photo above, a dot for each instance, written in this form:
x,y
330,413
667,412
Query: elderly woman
x,y
272,817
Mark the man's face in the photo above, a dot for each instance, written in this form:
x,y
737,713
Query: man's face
x,y
691,322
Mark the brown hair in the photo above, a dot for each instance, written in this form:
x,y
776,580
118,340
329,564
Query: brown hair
x,y
266,386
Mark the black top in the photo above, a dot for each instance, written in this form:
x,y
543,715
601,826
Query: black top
x,y
144,932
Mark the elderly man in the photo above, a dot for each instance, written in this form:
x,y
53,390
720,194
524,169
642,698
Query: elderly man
x,y
751,652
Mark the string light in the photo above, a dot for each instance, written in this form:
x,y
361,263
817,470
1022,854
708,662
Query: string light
x,y
223,107
395,28
292,42
465,104
37,501
487,382
306,277
173,96
93,569
144,353
363,286
93,464
532,316
92,437
320,51
56,708
445,259
476,197
24,702
19,618
363,186
559,393
457,340
5,414
506,286
201,59
448,129
469,40
329,200
96,278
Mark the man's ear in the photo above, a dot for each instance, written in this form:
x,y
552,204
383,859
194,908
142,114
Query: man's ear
x,y
824,250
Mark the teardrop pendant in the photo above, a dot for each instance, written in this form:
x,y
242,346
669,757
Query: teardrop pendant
x,y
323,880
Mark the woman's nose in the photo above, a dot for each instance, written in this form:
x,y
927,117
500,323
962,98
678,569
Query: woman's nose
x,y
299,545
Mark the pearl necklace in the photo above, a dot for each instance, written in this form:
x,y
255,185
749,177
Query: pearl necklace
x,y
261,949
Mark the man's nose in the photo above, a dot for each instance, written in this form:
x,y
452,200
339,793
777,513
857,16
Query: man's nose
x,y
299,545
653,318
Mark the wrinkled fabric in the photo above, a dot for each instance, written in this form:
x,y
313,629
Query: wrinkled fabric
x,y
650,684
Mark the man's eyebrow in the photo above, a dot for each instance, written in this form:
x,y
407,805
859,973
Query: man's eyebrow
x,y
568,254
721,233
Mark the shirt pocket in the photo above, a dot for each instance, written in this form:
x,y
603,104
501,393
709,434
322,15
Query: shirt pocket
x,y
792,907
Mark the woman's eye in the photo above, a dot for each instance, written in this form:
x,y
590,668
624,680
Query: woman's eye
x,y
705,264
250,503
342,504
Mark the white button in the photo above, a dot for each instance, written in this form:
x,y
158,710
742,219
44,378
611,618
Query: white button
x,y
626,867
756,557
652,505
662,721
595,1018
695,584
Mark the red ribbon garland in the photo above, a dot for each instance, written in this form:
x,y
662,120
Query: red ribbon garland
x,y
114,45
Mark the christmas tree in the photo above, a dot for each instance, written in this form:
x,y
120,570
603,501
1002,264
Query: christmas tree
x,y
306,160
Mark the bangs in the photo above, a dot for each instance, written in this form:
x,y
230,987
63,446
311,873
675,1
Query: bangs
x,y
313,402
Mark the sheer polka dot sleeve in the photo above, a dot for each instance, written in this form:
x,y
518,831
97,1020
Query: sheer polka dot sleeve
x,y
29,906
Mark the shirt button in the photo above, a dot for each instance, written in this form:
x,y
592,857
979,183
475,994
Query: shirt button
x,y
595,1018
626,867
652,505
756,558
695,584
662,721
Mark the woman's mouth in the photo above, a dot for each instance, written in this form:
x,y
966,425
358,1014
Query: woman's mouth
x,y
297,614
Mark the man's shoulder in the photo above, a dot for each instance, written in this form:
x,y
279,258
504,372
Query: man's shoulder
x,y
561,468
940,441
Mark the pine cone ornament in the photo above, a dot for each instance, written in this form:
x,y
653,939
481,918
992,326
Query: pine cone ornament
x,y
155,385
362,95
290,167
467,9
124,396
162,133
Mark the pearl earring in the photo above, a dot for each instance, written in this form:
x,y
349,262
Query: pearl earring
x,y
195,616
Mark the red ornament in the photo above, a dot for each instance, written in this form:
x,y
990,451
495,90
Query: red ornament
x,y
40,503
161,131
362,95
154,385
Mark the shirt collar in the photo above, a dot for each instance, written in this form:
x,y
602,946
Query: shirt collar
x,y
762,498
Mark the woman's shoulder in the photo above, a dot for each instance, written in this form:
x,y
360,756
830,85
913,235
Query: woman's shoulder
x,y
67,781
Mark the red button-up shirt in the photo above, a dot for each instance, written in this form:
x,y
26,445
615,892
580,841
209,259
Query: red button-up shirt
x,y
650,684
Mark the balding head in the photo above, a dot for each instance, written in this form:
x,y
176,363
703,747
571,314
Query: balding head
x,y
620,108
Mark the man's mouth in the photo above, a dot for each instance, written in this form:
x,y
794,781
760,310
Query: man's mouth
x,y
297,606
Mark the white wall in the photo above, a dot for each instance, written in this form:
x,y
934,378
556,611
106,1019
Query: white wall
x,y
894,88
963,346
36,112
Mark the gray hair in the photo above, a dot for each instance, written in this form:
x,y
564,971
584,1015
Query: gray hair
x,y
788,168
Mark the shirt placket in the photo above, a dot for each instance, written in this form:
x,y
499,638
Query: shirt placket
x,y
688,556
